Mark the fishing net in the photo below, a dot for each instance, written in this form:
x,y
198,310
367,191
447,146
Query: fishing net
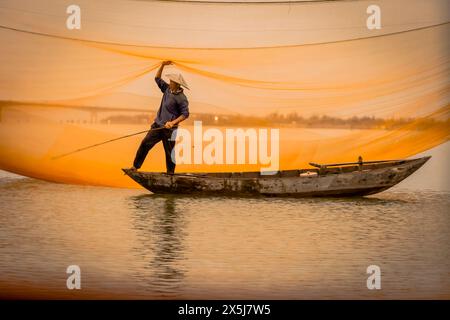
x,y
334,88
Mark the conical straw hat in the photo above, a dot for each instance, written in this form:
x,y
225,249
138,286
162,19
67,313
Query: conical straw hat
x,y
178,78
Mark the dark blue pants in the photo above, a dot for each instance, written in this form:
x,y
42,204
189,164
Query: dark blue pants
x,y
152,138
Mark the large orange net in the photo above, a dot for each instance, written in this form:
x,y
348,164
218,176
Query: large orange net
x,y
250,59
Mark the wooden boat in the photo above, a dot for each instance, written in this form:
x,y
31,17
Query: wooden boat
x,y
340,179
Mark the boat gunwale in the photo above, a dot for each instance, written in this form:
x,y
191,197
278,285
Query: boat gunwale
x,y
292,173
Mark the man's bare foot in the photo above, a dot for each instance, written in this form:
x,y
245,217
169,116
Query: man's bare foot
x,y
133,168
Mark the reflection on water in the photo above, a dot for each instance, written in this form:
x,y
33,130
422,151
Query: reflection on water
x,y
129,243
161,243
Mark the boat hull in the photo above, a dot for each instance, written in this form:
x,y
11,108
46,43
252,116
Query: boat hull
x,y
358,180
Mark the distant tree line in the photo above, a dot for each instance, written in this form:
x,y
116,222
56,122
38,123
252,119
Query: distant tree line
x,y
290,120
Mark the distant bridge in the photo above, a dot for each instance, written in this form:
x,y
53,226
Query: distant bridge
x,y
93,110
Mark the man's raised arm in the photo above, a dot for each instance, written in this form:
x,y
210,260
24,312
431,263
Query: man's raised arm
x,y
159,81
160,70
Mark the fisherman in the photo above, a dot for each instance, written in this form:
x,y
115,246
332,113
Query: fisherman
x,y
174,109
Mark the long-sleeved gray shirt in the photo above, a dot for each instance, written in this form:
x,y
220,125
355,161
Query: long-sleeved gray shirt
x,y
172,104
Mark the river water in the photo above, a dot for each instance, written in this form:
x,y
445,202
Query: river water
x,y
132,244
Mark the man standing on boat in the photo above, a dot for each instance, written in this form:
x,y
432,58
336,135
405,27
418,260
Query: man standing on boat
x,y
174,109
